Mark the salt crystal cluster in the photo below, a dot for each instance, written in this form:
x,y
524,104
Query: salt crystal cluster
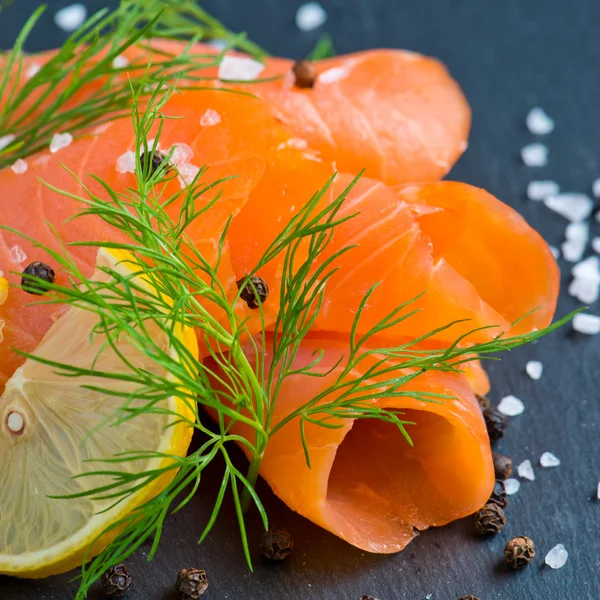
x,y
60,141
585,285
557,557
511,406
538,122
576,238
535,155
534,369
525,470
572,206
310,16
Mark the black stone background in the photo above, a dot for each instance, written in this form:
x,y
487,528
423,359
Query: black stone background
x,y
508,55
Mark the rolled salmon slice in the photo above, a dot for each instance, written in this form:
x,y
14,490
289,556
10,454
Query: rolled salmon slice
x,y
366,484
395,113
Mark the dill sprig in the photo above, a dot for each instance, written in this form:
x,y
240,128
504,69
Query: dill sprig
x,y
35,109
172,284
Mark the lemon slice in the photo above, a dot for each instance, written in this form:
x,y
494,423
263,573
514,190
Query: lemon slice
x,y
50,426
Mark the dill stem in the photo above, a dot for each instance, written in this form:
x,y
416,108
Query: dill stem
x,y
252,478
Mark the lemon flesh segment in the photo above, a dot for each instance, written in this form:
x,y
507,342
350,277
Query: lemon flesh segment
x,y
51,427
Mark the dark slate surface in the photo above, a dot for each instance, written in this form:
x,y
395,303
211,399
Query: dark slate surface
x,y
508,56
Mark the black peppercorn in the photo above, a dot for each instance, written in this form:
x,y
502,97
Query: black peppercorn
x,y
499,495
495,423
254,292
277,544
305,74
502,466
191,584
469,597
116,582
367,597
156,160
484,402
519,552
43,272
490,520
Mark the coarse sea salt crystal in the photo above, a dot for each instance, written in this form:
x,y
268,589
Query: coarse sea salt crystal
x,y
588,269
239,68
538,190
573,250
549,460
598,491
577,231
218,44
512,486
511,406
572,206
17,254
71,17
7,140
586,324
535,155
555,252
584,290
33,70
19,166
596,188
596,244
534,369
557,557
310,16
210,117
187,174
181,154
333,75
60,141
525,470
538,121
126,162
120,62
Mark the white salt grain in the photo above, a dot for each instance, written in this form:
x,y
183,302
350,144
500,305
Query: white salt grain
x,y
534,369
549,460
181,154
584,290
71,17
538,122
525,470
573,250
209,118
538,190
577,231
586,324
239,68
17,254
596,245
120,62
555,252
187,174
19,167
310,16
60,141
333,75
218,44
126,162
596,188
7,140
33,70
557,557
512,486
511,406
598,491
572,206
535,155
588,269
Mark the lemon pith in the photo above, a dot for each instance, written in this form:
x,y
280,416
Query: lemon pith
x,y
50,426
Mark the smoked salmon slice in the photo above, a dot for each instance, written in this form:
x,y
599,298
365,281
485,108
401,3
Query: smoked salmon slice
x,y
397,114
365,483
